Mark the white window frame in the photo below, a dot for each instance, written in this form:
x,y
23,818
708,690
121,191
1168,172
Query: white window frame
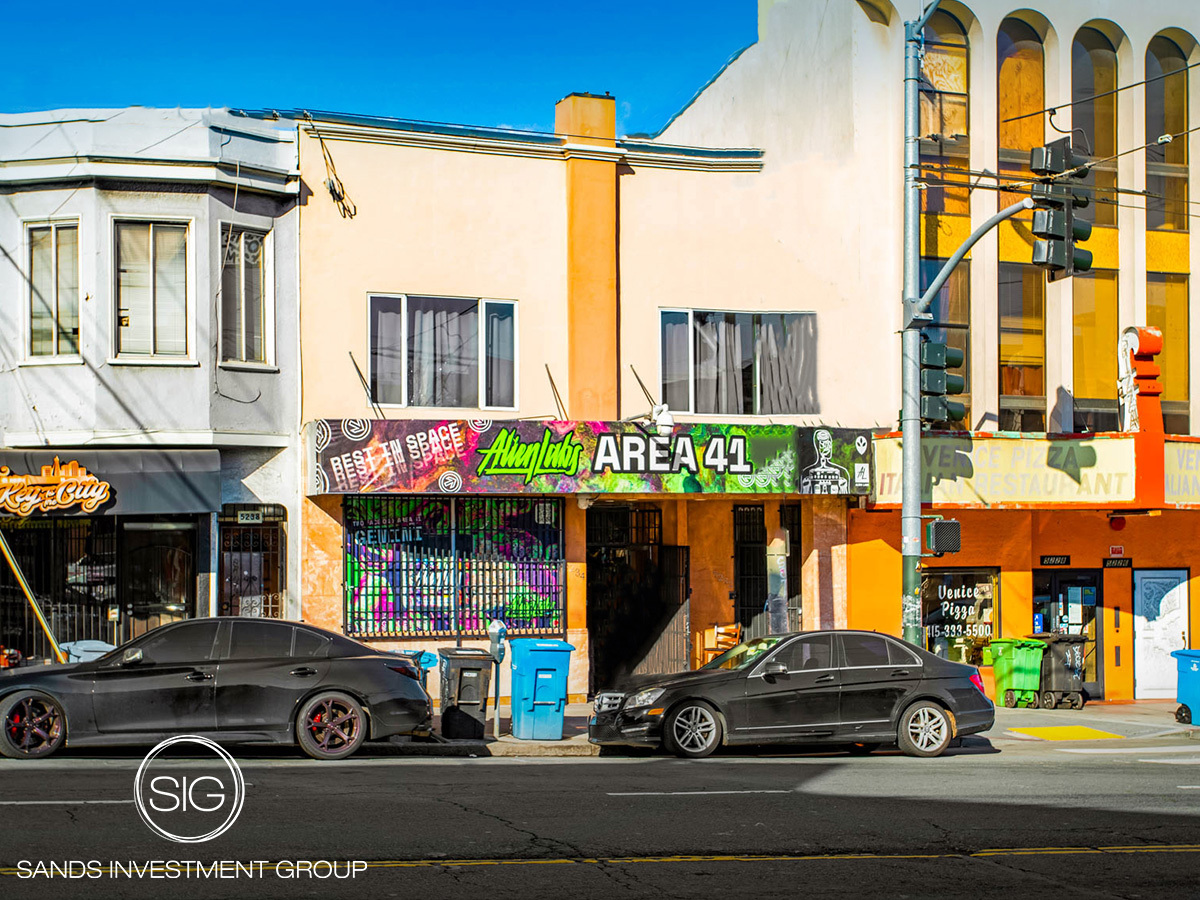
x,y
481,365
691,324
150,359
49,359
268,362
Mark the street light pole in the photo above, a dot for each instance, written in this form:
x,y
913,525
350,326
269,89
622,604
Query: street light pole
x,y
910,410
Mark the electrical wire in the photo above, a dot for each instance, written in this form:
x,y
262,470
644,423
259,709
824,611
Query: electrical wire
x,y
333,183
1054,109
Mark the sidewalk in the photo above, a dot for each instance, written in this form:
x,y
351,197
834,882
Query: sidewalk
x,y
1095,722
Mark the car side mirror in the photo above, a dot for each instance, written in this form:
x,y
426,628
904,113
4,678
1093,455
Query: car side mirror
x,y
775,668
132,657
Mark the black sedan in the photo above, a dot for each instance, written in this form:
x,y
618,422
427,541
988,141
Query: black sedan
x,y
820,687
234,680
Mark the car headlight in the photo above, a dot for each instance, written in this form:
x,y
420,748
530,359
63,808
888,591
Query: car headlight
x,y
644,698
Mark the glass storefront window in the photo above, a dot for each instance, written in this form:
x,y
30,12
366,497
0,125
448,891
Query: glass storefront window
x,y
958,612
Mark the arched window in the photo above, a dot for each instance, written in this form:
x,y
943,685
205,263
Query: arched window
x,y
1093,87
1166,113
1020,101
1094,294
945,158
945,145
1167,210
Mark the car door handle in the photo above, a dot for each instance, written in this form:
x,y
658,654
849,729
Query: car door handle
x,y
303,672
198,676
823,678
899,672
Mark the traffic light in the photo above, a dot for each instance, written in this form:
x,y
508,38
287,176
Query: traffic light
x,y
936,382
1055,201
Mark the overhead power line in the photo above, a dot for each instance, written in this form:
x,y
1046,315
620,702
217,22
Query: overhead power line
x,y
1054,109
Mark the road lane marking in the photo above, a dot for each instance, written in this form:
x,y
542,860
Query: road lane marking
x,y
1194,761
685,793
56,802
739,857
1189,787
1124,750
1068,733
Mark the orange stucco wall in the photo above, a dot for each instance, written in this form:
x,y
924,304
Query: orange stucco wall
x,y
1015,541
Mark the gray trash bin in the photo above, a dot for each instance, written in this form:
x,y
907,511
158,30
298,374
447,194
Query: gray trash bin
x,y
465,675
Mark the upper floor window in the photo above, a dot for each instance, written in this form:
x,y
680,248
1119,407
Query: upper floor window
x,y
1166,113
152,294
1167,310
1095,313
243,295
945,145
1093,91
1022,301
443,351
739,363
1020,99
54,290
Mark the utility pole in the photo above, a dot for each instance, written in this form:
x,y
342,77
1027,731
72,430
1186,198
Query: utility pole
x,y
910,410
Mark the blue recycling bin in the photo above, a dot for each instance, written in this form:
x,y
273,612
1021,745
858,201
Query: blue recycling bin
x,y
1187,687
539,688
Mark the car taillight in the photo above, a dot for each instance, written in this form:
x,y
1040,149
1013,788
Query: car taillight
x,y
405,670
977,680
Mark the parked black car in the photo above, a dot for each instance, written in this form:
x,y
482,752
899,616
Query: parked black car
x,y
854,688
234,680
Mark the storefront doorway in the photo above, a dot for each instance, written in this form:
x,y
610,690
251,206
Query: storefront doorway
x,y
1071,601
637,589
750,570
1160,625
253,560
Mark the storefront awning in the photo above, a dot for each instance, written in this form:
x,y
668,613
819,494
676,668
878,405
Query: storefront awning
x,y
109,482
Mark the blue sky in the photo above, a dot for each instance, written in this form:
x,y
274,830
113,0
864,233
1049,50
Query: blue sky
x,y
472,62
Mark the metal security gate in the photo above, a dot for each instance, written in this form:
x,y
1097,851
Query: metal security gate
x,y
445,567
668,642
71,567
790,518
750,570
253,560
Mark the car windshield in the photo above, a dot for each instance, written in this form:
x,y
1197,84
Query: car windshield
x,y
743,654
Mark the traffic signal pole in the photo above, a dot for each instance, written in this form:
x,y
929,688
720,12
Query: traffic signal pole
x,y
910,409
916,314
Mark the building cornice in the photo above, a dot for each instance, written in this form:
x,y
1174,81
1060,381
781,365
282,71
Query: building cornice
x,y
29,172
81,438
510,142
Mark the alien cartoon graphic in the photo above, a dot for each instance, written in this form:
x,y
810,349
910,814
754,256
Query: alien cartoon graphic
x,y
824,476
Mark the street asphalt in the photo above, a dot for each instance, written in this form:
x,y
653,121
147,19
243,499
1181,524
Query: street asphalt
x,y
1009,812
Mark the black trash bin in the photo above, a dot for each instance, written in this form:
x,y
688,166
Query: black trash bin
x,y
1062,670
466,674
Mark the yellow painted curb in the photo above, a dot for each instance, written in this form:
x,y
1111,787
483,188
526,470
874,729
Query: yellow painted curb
x,y
1068,733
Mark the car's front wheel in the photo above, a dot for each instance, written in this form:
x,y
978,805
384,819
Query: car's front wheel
x,y
925,730
330,725
34,725
693,730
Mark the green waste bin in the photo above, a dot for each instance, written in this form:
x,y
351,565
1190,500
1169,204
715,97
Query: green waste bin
x,y
1017,667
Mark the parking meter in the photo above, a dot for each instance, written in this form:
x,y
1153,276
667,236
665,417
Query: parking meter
x,y
497,631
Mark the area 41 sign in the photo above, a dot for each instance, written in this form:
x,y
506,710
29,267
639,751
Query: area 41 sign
x,y
481,456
